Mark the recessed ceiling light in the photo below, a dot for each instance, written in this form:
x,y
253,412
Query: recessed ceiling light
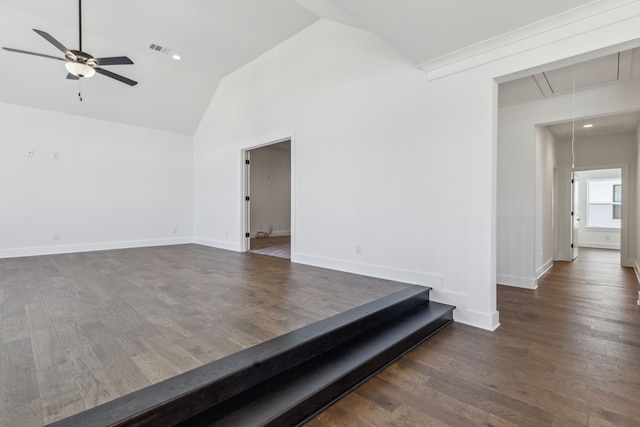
x,y
588,125
176,57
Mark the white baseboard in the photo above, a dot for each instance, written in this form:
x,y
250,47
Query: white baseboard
x,y
90,247
230,246
462,313
517,282
544,268
599,245
381,272
636,268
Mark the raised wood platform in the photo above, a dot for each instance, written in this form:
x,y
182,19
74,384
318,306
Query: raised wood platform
x,y
79,330
286,380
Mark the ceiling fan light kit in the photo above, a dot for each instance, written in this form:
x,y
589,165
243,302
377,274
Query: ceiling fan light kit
x,y
80,70
80,64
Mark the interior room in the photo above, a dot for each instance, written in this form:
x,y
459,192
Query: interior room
x,y
203,201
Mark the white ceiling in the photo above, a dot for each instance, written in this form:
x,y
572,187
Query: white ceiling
x,y
214,38
605,125
425,29
606,70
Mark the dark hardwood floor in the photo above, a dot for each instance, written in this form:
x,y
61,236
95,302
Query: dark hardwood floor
x,y
267,242
278,246
78,330
566,354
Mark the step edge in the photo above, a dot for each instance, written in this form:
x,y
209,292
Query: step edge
x,y
207,375
442,316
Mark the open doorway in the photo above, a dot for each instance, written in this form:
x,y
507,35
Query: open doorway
x,y
268,199
605,150
598,211
534,226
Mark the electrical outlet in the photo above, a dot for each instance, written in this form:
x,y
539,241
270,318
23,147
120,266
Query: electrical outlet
x,y
175,231
56,236
358,249
56,156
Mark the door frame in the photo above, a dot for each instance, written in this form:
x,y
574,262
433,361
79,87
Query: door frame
x,y
565,217
575,206
246,189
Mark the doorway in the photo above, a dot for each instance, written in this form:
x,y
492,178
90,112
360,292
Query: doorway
x,y
267,196
598,210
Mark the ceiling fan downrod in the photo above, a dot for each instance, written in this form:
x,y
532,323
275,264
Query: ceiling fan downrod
x,y
80,64
80,25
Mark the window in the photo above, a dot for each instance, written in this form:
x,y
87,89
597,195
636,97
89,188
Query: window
x,y
604,203
617,197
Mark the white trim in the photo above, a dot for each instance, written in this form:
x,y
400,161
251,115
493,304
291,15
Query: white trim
x,y
247,147
381,272
517,281
543,269
462,314
488,321
91,247
605,229
230,246
636,269
599,245
625,227
554,29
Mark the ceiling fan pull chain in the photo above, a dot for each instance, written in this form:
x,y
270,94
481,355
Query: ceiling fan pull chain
x,y
80,90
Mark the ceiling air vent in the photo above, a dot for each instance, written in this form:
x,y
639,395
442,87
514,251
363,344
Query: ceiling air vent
x,y
159,48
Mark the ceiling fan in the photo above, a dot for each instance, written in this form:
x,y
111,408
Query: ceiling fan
x,y
80,64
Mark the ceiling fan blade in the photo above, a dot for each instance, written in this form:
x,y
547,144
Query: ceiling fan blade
x,y
72,77
33,53
114,60
115,76
53,41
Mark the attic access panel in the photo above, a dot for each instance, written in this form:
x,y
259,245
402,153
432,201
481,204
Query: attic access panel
x,y
601,70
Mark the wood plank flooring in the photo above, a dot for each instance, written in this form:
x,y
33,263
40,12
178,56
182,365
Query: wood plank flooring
x,y
267,242
566,354
279,246
78,330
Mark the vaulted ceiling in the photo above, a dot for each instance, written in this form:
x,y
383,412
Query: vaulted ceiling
x,y
215,38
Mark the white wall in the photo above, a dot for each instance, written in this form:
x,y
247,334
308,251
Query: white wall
x,y
112,185
380,163
545,194
592,237
400,165
271,190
